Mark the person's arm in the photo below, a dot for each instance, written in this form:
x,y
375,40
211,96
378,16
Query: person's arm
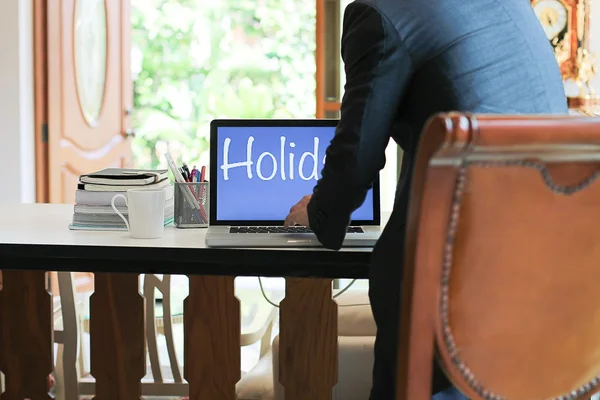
x,y
378,68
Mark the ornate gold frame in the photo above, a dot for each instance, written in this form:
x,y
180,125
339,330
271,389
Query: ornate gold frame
x,y
576,36
573,54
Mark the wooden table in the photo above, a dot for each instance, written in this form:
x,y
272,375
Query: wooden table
x,y
35,239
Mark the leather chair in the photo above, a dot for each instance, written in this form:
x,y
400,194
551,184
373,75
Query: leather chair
x,y
503,258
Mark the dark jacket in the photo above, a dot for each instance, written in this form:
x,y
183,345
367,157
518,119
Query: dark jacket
x,y
408,59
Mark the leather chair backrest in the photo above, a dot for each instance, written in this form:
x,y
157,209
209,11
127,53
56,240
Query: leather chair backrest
x,y
503,258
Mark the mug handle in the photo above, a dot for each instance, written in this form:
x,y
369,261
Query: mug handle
x,y
112,203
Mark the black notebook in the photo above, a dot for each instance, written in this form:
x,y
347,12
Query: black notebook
x,y
124,177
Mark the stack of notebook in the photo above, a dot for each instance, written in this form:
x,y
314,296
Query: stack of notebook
x,y
93,210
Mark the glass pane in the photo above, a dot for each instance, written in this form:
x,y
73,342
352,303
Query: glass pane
x,y
89,48
197,60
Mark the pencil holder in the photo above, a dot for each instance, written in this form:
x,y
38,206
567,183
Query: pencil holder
x,y
191,205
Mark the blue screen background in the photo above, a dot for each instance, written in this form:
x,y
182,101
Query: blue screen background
x,y
242,198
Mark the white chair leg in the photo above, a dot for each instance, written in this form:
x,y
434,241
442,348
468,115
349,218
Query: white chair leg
x,y
67,367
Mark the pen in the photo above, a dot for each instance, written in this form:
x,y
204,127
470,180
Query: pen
x,y
187,170
201,178
188,194
184,174
194,176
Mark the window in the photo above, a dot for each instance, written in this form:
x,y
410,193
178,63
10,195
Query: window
x,y
194,61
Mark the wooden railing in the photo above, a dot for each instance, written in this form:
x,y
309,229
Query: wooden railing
x,y
212,337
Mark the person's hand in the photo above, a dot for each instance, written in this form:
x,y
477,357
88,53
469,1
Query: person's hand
x,y
298,214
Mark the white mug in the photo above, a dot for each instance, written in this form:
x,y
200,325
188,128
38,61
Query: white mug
x,y
146,209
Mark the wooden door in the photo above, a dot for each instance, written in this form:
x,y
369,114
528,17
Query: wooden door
x,y
90,93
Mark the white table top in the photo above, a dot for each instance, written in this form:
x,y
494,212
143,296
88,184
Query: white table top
x,y
37,236
47,224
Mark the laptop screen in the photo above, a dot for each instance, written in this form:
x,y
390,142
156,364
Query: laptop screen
x,y
259,169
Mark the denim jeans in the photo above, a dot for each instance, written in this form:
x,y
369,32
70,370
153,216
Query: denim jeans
x,y
449,394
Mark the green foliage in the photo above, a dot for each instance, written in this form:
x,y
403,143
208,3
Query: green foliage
x,y
197,60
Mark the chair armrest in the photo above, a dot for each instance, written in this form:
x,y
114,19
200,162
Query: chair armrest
x,y
260,329
263,319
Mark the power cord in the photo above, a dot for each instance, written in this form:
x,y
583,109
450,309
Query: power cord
x,y
262,290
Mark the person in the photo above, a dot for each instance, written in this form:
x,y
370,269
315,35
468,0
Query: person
x,y
406,60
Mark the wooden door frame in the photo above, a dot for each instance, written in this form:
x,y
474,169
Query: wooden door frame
x,y
40,92
320,57
327,57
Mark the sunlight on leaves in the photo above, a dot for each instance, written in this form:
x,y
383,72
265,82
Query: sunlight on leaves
x,y
194,61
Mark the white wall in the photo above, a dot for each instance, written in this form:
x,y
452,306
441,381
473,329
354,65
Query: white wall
x,y
17,150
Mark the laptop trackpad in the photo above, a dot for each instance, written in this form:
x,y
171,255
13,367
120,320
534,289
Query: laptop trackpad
x,y
300,241
300,238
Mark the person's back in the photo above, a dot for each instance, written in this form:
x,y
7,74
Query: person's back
x,y
406,60
482,56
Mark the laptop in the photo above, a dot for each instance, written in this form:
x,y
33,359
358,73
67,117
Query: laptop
x,y
261,168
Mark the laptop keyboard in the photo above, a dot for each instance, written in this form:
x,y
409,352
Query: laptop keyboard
x,y
282,229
